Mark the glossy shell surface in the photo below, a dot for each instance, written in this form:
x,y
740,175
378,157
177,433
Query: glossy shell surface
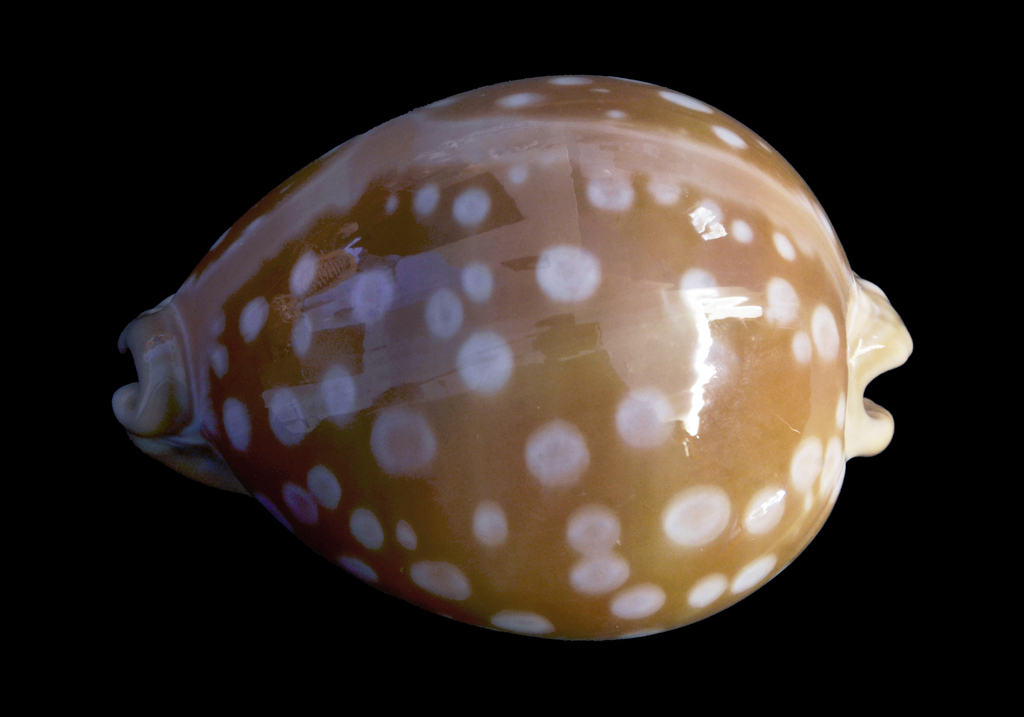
x,y
577,357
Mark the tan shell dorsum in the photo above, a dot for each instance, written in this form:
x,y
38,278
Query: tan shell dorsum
x,y
574,357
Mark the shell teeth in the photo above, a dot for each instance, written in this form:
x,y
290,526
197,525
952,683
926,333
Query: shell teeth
x,y
876,342
160,402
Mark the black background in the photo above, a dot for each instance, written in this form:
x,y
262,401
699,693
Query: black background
x,y
182,140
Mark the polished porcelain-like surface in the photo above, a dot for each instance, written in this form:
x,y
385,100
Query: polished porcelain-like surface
x,y
575,357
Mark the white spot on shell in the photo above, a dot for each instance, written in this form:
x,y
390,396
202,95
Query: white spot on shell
x,y
442,579
593,530
401,441
825,332
522,621
834,495
643,419
477,281
489,525
753,573
324,486
358,568
665,193
729,137
520,99
302,335
833,466
784,246
638,602
366,528
338,391
236,424
707,590
219,360
425,200
764,511
217,325
783,302
405,535
518,174
806,465
599,574
287,417
446,102
300,503
302,274
569,81
741,231
485,362
391,205
372,294
615,114
253,317
557,454
471,207
685,101
801,347
443,313
614,194
568,273
256,224
697,515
